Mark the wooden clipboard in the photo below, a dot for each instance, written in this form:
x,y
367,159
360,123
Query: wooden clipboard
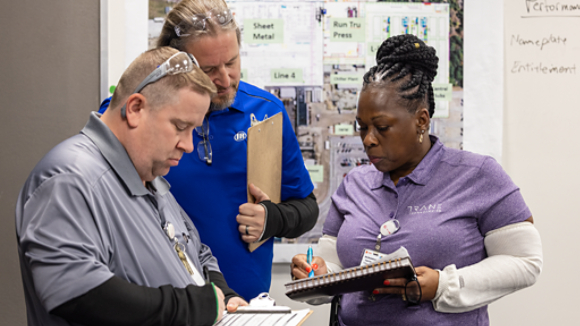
x,y
265,160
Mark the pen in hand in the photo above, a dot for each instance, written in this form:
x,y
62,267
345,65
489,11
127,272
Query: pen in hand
x,y
309,261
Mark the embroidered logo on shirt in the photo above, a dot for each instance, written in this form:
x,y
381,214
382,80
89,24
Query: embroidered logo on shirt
x,y
240,136
431,208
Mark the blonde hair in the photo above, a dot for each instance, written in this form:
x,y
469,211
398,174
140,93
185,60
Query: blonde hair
x,y
183,12
161,92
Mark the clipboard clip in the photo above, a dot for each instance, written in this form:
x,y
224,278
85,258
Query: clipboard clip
x,y
254,121
263,303
263,300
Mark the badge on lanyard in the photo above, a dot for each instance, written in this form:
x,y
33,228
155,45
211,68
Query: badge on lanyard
x,y
370,256
182,254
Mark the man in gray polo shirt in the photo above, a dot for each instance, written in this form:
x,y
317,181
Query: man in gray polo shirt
x,y
101,240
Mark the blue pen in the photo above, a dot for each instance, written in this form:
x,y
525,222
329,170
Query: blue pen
x,y
309,261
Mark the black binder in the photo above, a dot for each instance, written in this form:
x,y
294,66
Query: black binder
x,y
354,279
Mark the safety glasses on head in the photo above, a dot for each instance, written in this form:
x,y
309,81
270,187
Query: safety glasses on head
x,y
179,63
199,21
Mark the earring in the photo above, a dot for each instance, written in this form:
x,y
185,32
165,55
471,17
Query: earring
x,y
421,137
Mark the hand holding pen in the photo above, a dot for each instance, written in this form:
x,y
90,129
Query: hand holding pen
x,y
301,268
309,261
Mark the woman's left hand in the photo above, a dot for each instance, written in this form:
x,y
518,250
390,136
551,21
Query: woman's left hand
x,y
428,279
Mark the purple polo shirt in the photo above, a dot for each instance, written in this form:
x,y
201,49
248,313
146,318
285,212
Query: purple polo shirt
x,y
445,207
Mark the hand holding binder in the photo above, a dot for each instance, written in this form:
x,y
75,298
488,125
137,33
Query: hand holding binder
x,y
359,278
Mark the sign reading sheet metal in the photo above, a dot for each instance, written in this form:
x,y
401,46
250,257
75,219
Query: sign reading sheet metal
x,y
263,31
281,42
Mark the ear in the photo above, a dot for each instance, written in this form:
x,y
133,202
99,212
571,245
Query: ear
x,y
135,109
423,119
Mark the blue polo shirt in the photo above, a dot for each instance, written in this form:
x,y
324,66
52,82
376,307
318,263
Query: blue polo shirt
x,y
211,195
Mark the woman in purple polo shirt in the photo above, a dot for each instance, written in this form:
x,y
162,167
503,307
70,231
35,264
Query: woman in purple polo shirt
x,y
460,217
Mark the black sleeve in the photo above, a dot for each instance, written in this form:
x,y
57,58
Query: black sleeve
x,y
118,302
292,218
218,279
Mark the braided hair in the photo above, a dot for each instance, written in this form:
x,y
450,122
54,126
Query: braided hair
x,y
406,56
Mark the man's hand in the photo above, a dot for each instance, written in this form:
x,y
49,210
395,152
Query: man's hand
x,y
252,217
234,303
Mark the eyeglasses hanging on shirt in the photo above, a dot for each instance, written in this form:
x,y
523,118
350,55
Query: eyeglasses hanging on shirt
x,y
204,147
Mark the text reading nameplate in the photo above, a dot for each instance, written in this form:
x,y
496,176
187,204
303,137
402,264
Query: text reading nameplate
x,y
286,75
347,29
263,31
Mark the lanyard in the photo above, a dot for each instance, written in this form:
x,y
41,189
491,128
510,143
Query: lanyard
x,y
180,249
388,228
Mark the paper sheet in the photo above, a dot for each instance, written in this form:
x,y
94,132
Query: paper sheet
x,y
294,318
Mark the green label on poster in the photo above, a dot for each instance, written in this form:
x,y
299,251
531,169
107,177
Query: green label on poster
x,y
347,29
286,75
263,31
442,92
346,79
244,75
344,130
372,48
316,172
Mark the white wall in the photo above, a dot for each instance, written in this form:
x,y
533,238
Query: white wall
x,y
483,82
124,38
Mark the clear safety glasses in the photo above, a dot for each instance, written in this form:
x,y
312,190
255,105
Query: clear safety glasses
x,y
199,21
204,147
179,63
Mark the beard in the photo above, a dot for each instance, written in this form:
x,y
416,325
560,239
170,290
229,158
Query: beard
x,y
221,102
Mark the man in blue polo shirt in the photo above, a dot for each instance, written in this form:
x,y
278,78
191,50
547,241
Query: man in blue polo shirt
x,y
211,183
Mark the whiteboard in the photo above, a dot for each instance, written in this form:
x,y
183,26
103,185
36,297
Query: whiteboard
x,y
541,150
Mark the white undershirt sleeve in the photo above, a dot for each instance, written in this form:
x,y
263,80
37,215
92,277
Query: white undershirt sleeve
x,y
514,262
326,249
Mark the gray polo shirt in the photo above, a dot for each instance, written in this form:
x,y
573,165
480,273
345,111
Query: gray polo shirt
x,y
84,216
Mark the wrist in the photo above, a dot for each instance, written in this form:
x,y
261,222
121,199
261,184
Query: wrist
x,y
272,220
217,304
261,237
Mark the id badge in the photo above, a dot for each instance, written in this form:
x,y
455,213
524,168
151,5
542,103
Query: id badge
x,y
197,279
370,256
